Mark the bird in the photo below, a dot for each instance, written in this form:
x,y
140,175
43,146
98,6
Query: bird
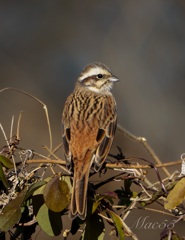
x,y
89,123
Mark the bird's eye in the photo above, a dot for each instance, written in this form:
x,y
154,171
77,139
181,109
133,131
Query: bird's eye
x,y
99,76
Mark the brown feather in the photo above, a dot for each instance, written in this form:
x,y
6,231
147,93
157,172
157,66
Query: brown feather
x,y
89,120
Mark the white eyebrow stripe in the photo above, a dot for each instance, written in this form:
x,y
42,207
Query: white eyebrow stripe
x,y
92,72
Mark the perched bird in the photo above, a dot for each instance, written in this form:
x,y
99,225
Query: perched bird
x,y
89,121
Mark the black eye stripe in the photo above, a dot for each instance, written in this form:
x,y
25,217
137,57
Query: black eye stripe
x,y
89,80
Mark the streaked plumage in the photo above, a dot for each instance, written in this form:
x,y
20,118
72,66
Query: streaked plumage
x,y
89,120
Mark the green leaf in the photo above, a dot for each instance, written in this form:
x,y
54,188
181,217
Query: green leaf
x,y
12,212
176,195
3,177
94,229
49,221
6,162
95,206
34,187
40,189
56,194
118,223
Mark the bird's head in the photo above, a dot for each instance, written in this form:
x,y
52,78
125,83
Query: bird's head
x,y
97,78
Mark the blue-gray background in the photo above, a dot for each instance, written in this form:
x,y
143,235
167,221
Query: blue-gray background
x,y
45,44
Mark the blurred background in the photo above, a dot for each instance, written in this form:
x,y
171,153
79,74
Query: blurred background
x,y
44,45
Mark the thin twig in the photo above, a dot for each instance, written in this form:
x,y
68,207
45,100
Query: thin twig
x,y
143,141
62,163
40,155
18,126
126,166
11,136
11,127
126,228
106,218
108,165
52,153
128,210
129,232
33,221
39,101
4,134
51,161
159,211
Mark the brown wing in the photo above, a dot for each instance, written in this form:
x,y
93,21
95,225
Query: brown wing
x,y
66,128
105,135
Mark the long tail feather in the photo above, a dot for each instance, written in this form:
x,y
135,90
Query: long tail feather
x,y
80,184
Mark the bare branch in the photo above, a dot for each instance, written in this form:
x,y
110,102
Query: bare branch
x,y
143,141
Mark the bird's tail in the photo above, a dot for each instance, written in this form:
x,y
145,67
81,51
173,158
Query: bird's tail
x,y
80,184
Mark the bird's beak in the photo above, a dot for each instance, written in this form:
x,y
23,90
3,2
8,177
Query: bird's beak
x,y
113,79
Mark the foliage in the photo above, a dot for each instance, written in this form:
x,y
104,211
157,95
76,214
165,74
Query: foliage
x,y
29,198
